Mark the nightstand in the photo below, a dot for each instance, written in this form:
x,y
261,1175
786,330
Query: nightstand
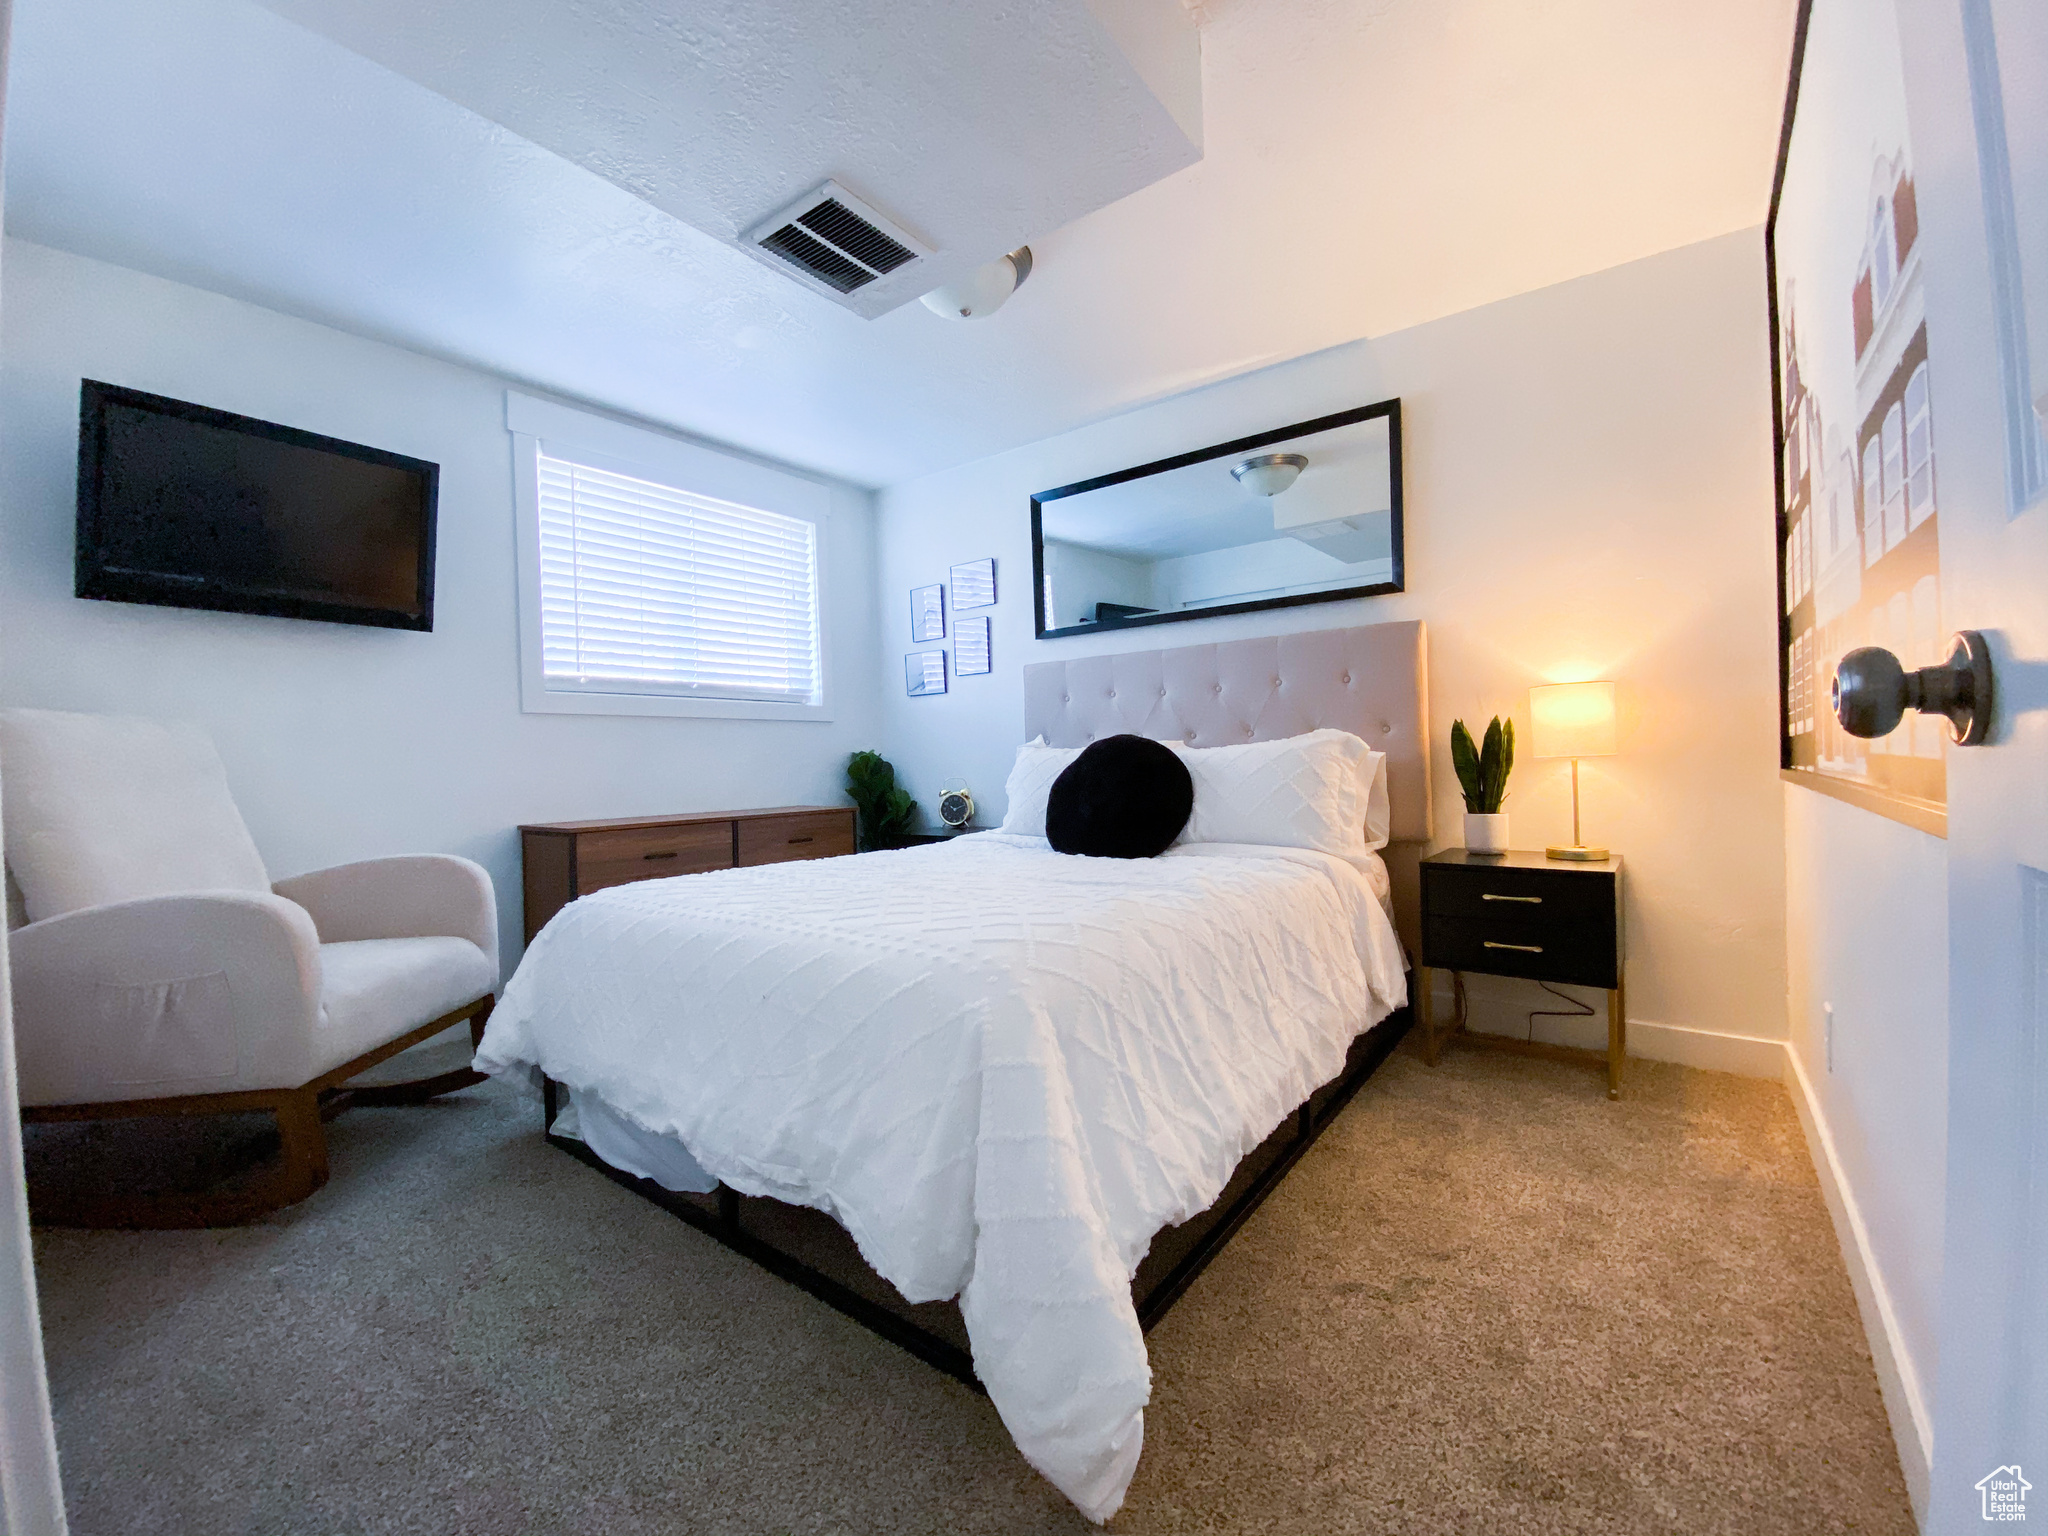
x,y
920,839
1521,914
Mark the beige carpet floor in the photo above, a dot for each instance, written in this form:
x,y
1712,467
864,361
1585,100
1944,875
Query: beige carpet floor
x,y
1488,1300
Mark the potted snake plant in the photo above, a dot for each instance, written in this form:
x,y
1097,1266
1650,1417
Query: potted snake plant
x,y
1483,779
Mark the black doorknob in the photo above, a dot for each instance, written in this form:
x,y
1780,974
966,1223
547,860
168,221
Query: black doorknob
x,y
1872,692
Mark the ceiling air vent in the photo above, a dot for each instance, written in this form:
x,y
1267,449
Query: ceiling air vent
x,y
833,239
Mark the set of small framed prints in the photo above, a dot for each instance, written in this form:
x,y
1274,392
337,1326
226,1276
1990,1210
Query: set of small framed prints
x,y
974,586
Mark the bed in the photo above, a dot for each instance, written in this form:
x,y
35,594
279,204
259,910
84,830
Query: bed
x,y
999,1103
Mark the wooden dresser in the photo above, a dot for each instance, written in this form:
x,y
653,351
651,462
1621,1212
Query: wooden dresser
x,y
567,859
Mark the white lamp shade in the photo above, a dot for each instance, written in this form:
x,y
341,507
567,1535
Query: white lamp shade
x,y
978,294
1572,720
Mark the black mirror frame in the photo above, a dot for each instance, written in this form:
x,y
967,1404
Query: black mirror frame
x,y
1391,409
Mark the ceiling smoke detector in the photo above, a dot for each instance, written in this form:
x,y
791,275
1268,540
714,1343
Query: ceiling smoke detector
x,y
830,240
982,291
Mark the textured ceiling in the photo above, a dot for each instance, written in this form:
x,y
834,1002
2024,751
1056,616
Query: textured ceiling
x,y
1367,165
973,124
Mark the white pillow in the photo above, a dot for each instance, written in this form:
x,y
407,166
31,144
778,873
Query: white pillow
x,y
1310,791
1379,810
1030,785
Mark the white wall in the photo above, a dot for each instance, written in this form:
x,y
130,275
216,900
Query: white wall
x,y
1588,479
1081,577
1867,931
344,742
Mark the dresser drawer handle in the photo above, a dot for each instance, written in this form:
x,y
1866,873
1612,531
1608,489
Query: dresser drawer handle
x,y
1527,949
801,839
669,855
1491,896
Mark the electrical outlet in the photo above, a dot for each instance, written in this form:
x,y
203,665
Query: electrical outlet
x,y
1828,1034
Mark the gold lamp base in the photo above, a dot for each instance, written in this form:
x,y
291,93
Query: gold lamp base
x,y
1582,854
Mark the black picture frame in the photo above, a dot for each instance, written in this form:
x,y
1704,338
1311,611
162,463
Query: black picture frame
x,y
96,575
1909,788
1781,521
1390,409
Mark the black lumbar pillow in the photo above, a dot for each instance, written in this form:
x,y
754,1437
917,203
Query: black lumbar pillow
x,y
1124,797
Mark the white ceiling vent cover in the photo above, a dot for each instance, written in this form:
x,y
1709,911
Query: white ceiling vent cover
x,y
832,241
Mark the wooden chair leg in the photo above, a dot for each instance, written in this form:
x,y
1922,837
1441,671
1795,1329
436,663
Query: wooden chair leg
x,y
390,1095
303,1149
477,1022
301,1169
299,1112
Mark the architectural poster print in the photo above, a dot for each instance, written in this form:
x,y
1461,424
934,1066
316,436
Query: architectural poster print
x,y
1858,491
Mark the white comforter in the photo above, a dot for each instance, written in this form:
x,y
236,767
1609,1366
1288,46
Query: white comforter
x,y
1002,1069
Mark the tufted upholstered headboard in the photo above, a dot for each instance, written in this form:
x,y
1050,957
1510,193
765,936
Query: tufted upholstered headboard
x,y
1371,681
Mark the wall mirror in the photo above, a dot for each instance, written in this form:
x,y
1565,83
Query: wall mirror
x,y
1303,514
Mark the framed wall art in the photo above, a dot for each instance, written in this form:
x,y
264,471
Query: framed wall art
x,y
924,672
974,584
928,613
971,647
1856,410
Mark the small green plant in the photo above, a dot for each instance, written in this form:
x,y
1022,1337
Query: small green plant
x,y
885,810
1483,771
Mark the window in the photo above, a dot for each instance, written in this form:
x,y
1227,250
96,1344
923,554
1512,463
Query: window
x,y
1919,448
665,578
645,588
1883,266
1873,504
1894,476
1799,561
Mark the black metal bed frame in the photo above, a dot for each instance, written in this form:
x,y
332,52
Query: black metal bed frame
x,y
1178,1255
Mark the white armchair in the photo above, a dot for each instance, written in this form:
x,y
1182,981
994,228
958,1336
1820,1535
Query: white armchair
x,y
160,972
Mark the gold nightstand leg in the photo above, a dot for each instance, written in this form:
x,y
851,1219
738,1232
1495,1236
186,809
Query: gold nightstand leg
x,y
1425,1011
1617,1038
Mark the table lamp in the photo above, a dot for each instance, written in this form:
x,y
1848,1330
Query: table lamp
x,y
1573,720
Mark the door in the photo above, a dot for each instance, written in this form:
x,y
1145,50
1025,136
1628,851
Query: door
x,y
31,1496
1977,96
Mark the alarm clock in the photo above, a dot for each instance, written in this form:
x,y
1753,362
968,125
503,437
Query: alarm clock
x,y
956,807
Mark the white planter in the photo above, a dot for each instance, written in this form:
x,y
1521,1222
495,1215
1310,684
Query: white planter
x,y
1486,834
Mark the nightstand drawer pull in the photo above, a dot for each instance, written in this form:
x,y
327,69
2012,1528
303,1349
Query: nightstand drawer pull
x,y
1527,949
1492,896
668,854
803,839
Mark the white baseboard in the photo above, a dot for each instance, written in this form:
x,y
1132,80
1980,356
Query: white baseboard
x,y
1905,1400
1745,1055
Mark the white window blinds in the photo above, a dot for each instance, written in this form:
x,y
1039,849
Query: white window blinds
x,y
648,589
